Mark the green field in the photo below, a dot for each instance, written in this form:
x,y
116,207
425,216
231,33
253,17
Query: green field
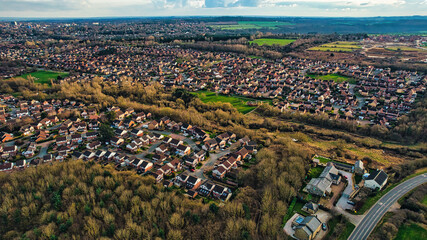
x,y
403,48
238,102
411,232
337,47
272,41
334,77
251,25
43,77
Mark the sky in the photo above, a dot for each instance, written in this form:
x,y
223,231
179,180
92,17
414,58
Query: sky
x,y
148,8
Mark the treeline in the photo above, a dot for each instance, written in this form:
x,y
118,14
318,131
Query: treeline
x,y
410,128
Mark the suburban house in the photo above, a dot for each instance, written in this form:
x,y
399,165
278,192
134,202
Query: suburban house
x,y
310,207
308,228
376,180
358,167
193,182
322,185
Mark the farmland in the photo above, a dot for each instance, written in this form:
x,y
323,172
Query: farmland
x,y
334,77
272,41
43,77
404,48
337,47
238,102
241,25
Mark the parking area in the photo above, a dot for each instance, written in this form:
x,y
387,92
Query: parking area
x,y
343,201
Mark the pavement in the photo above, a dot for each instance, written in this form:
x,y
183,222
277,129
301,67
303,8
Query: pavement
x,y
342,202
213,157
375,214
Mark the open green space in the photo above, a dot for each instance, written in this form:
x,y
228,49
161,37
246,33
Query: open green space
x,y
241,25
240,103
334,77
44,77
337,47
410,232
272,41
404,48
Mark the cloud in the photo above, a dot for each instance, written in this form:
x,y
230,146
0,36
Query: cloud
x,y
42,5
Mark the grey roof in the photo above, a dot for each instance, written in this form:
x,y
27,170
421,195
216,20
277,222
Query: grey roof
x,y
378,176
310,224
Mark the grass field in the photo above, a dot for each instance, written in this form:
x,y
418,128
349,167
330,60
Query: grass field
x,y
335,77
411,232
241,25
43,77
404,48
238,102
272,41
337,47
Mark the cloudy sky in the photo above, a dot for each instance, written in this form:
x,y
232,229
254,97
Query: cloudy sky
x,y
117,8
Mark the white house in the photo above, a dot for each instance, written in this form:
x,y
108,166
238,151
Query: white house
x,y
376,180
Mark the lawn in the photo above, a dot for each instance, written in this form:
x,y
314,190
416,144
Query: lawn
x,y
334,77
337,47
272,41
323,159
410,232
43,77
238,102
315,172
241,25
294,207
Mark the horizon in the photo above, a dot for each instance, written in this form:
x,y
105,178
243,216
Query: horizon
x,y
62,9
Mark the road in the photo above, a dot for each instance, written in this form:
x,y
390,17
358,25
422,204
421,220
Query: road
x,y
213,157
368,223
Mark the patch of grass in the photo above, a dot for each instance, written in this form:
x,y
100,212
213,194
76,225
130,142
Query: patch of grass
x,y
323,159
334,77
44,77
349,227
272,41
315,172
294,207
424,200
411,231
238,102
337,47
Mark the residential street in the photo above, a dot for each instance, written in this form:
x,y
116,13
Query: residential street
x,y
210,163
374,215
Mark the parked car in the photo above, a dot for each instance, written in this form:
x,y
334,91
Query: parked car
x,y
350,202
324,226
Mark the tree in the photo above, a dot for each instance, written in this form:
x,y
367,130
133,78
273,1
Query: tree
x,y
105,132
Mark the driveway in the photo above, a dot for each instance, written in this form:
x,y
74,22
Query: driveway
x,y
213,157
342,202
